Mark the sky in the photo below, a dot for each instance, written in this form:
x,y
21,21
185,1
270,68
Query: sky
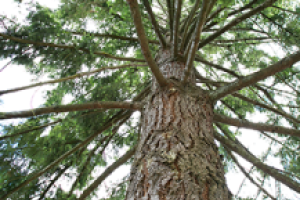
x,y
13,76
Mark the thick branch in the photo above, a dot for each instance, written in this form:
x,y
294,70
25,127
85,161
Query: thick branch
x,y
69,108
255,161
67,78
105,35
177,14
255,77
139,97
256,126
236,21
135,12
170,13
62,46
278,111
191,49
244,98
195,30
187,23
154,23
107,172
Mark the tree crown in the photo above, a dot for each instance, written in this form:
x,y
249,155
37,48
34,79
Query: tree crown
x,y
103,54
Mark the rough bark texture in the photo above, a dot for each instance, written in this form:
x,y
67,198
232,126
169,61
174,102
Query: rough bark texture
x,y
177,158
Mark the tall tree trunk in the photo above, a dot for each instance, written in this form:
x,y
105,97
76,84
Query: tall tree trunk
x,y
177,158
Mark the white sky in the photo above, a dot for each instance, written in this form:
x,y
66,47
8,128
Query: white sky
x,y
14,76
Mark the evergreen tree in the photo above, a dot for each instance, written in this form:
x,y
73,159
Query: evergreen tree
x,y
194,69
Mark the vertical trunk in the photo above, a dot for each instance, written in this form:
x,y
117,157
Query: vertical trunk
x,y
177,158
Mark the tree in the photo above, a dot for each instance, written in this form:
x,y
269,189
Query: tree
x,y
157,58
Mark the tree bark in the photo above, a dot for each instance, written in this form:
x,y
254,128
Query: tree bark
x,y
176,158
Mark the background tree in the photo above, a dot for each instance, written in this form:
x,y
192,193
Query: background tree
x,y
192,68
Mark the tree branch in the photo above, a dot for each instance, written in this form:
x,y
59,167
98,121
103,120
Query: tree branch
x,y
255,126
154,23
45,125
53,181
87,161
286,10
255,161
254,102
162,7
192,48
33,129
235,22
171,15
117,117
241,39
135,12
278,110
81,74
248,175
105,35
177,15
255,77
206,62
262,105
239,29
247,6
62,46
262,184
69,108
187,23
214,14
138,97
264,157
228,45
107,125
277,24
107,172
92,153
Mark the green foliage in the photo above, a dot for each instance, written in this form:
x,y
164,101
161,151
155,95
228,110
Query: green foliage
x,y
63,42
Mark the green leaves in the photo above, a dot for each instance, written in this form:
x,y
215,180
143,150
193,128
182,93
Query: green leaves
x,y
69,38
